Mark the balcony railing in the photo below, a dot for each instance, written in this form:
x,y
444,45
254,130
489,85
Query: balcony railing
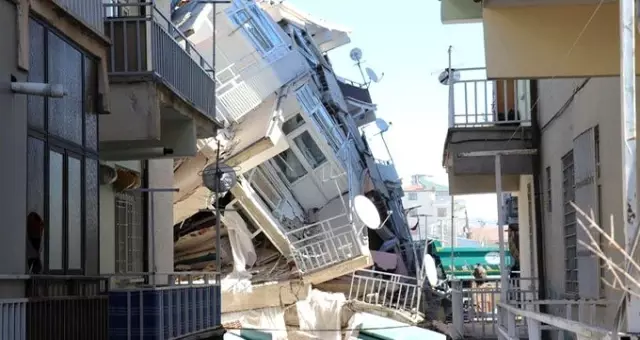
x,y
475,101
357,91
146,44
392,291
56,307
188,304
89,11
321,245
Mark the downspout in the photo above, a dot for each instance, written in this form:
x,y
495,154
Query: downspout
x,y
537,184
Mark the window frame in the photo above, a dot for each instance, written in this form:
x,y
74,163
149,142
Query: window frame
x,y
412,196
313,108
263,26
569,222
68,149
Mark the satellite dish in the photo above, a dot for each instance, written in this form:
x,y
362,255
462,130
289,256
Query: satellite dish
x,y
430,270
356,54
366,212
226,177
382,125
372,75
444,76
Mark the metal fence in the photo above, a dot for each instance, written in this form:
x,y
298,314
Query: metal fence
x,y
56,307
146,43
392,291
476,101
475,307
89,11
188,303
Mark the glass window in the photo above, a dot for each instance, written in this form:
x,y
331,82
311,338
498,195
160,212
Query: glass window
x,y
55,230
35,104
290,165
299,37
309,149
292,123
258,27
261,183
413,196
442,212
74,212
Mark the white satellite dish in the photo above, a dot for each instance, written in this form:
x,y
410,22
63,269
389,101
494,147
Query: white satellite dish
x,y
356,54
382,125
430,270
372,75
366,212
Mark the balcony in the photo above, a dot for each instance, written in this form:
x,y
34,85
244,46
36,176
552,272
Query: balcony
x,y
56,307
90,12
359,103
487,115
161,87
187,306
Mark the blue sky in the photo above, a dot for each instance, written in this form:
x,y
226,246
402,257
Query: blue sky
x,y
409,45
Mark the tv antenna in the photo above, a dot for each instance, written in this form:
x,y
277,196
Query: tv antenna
x,y
371,75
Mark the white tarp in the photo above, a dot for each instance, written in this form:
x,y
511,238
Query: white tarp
x,y
243,252
321,312
264,320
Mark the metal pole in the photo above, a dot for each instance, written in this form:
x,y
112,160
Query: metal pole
x,y
451,104
453,234
628,125
386,147
217,205
503,272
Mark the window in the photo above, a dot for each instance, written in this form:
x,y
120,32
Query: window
x,y
442,212
570,235
413,196
62,154
602,264
263,185
300,37
548,191
312,153
292,124
129,233
324,122
260,29
289,164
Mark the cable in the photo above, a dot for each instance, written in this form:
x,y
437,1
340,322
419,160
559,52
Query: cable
x,y
320,329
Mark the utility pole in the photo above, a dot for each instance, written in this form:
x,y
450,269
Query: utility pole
x,y
629,303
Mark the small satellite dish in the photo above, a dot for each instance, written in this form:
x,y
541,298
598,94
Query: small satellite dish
x,y
372,75
382,125
226,177
444,76
355,54
430,270
366,212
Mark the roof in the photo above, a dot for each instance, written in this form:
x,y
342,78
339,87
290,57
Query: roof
x,y
426,184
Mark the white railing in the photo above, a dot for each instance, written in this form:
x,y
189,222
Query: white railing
x,y
392,291
320,245
512,316
13,319
475,101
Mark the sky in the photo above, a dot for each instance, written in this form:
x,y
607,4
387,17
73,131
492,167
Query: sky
x,y
409,45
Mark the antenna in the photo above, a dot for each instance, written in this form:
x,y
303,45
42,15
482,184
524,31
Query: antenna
x,y
382,125
356,55
219,177
430,271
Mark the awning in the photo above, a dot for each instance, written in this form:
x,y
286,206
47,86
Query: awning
x,y
370,326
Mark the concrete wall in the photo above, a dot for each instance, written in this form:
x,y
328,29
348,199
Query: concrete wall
x,y
597,104
13,152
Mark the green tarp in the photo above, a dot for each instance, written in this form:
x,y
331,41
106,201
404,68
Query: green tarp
x,y
466,258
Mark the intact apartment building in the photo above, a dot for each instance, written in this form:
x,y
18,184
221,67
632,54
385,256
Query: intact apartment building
x,y
573,124
428,206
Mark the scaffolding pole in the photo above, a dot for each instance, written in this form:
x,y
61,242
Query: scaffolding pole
x,y
629,304
497,155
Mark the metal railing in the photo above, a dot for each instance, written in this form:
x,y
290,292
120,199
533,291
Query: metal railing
x,y
56,307
475,309
320,245
146,43
189,303
393,291
475,101
584,326
89,11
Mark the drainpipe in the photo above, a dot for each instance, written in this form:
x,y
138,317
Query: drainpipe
x,y
538,194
